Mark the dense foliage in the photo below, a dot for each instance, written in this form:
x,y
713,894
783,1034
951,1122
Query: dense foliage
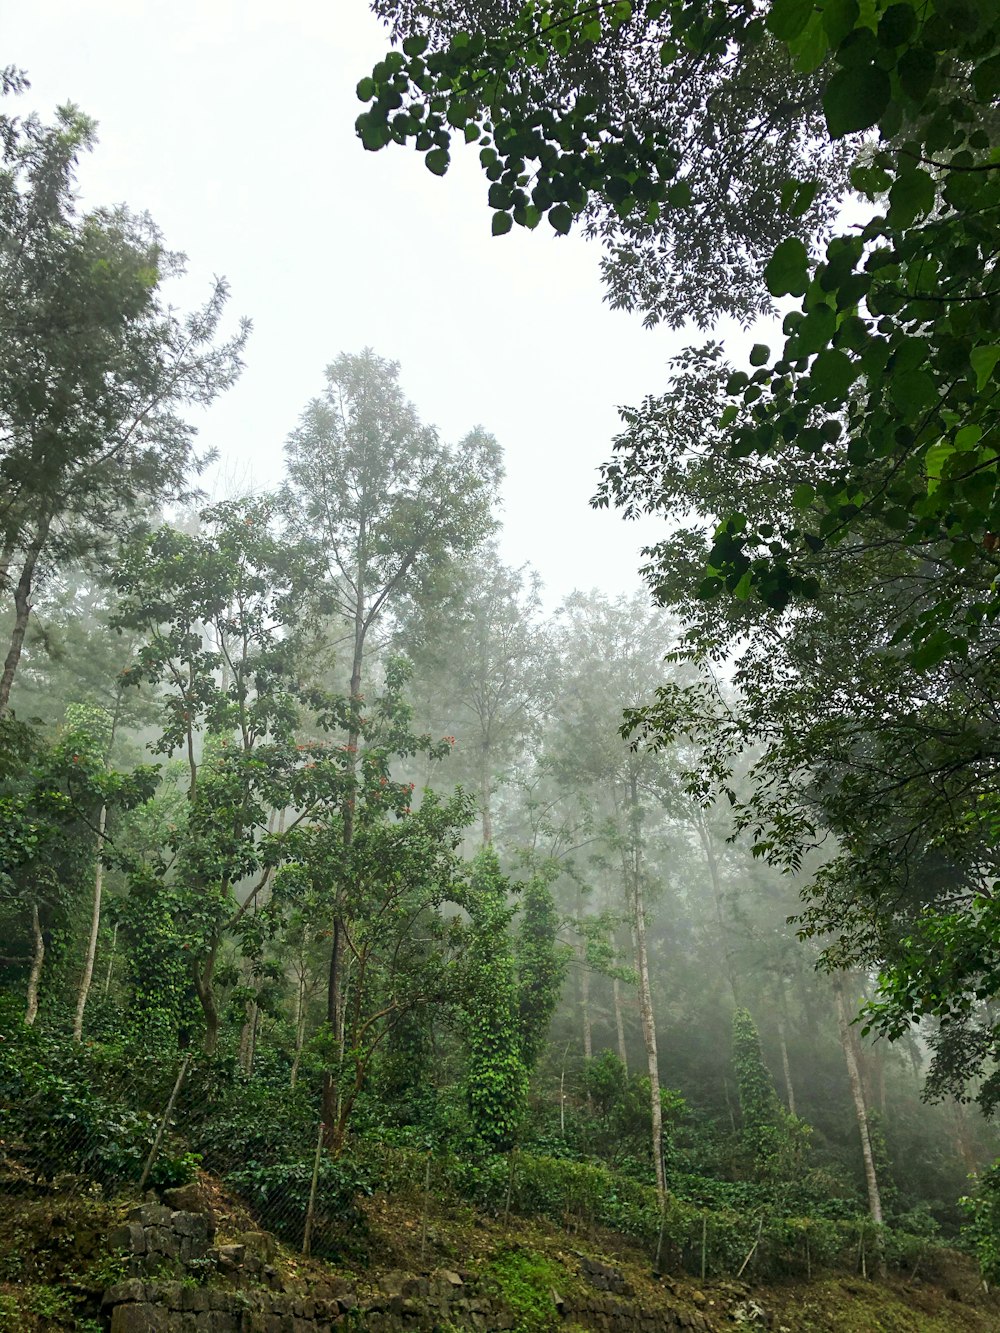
x,y
425,888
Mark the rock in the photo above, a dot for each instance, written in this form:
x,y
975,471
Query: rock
x,y
129,1237
261,1243
452,1279
139,1319
133,1289
186,1198
229,1257
190,1224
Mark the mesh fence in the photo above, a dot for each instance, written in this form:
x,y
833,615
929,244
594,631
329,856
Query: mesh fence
x,y
116,1129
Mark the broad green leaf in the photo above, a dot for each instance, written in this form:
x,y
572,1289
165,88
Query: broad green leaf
x,y
502,223
916,72
897,25
811,46
787,271
839,18
912,195
831,375
803,496
437,161
855,98
759,354
984,360
366,89
561,218
788,18
986,79
934,460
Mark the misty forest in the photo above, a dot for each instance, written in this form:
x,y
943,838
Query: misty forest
x,y
615,961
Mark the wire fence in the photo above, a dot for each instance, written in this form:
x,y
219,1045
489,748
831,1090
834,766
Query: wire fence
x,y
111,1130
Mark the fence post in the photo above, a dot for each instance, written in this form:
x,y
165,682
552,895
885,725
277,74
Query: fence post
x,y
307,1233
704,1243
427,1199
151,1159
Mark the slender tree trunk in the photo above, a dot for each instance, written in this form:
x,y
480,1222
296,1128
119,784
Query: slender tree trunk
x,y
334,992
35,975
300,1017
22,611
95,925
646,1014
962,1141
111,959
705,838
588,1031
486,793
616,993
786,1067
247,1033
649,1038
861,1111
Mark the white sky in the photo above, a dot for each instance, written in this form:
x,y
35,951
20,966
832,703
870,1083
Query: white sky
x,y
232,123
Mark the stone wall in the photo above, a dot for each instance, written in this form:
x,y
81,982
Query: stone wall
x,y
181,1282
401,1303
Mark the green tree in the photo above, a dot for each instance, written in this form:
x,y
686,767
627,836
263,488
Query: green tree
x,y
96,368
386,507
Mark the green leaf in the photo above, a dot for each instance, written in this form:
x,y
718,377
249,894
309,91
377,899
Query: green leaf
x,y
832,374
803,496
986,79
897,25
502,223
788,18
811,46
797,196
916,70
759,354
855,98
912,195
366,90
561,218
679,194
984,360
437,161
839,18
934,460
787,271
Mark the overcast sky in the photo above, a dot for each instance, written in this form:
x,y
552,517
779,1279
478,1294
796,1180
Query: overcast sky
x,y
232,123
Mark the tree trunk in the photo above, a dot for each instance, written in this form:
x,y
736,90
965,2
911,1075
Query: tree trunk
x,y
22,611
705,838
95,924
616,992
334,991
248,1034
646,1014
300,1023
205,990
588,1031
962,1141
649,1038
35,975
111,959
861,1111
786,1067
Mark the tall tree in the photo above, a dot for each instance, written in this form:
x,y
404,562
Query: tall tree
x,y
95,368
386,506
481,669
